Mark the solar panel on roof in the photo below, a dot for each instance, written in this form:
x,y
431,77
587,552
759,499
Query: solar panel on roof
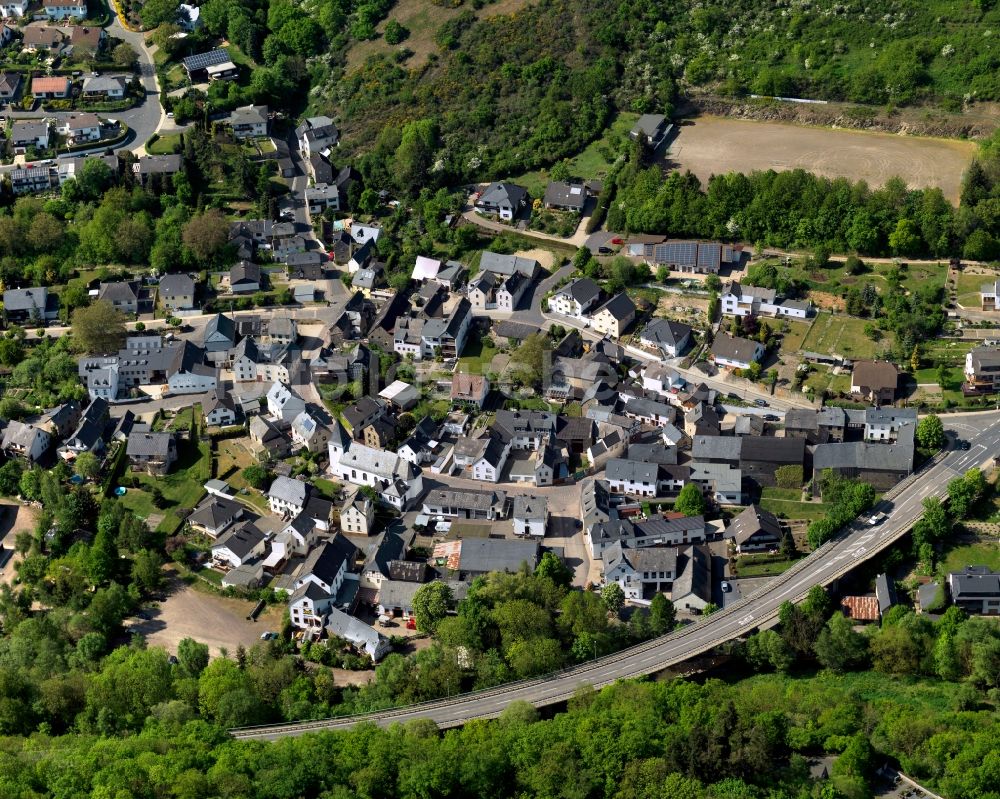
x,y
203,60
709,255
682,253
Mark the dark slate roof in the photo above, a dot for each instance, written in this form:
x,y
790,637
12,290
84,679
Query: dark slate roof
x,y
620,306
864,456
568,195
325,560
666,331
153,446
497,554
583,290
244,271
752,521
176,286
241,540
222,324
696,574
772,450
214,512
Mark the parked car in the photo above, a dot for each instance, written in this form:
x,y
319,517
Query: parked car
x,y
760,403
268,636
726,587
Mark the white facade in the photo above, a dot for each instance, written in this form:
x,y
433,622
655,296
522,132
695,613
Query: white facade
x,y
64,9
13,8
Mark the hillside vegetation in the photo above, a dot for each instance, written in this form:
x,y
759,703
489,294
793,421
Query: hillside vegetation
x,y
513,92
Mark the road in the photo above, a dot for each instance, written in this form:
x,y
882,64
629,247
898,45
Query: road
x,y
832,561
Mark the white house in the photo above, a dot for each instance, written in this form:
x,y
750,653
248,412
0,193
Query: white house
x,y
357,514
283,403
308,433
287,496
736,352
13,8
641,573
665,336
530,516
399,483
25,441
322,196
740,300
576,298
661,379
248,121
64,9
890,424
80,127
489,465
241,544
506,200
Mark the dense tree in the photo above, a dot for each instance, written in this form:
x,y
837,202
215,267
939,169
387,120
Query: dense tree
x,y
690,501
430,605
930,432
206,234
99,328
838,646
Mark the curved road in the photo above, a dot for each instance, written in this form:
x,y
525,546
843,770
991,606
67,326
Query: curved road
x,y
856,544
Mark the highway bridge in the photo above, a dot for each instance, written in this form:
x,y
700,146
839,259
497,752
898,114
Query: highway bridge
x,y
976,441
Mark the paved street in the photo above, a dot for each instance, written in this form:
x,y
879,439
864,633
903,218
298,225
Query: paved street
x,y
835,559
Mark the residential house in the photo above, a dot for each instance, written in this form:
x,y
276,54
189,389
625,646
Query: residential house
x,y
51,88
177,292
65,9
653,127
379,433
248,121
639,478
421,446
29,306
890,424
219,408
988,295
826,425
244,278
220,335
88,435
153,453
108,87
473,557
61,420
10,82
564,196
469,504
360,414
268,441
287,496
398,483
665,336
467,389
755,530
305,266
501,264
213,65
357,514
882,465
576,298
506,200
530,516
361,257
364,638
148,165
309,433
740,300
658,531
976,589
315,135
614,317
875,381
24,134
80,128
489,465
86,41
214,515
240,545
691,257
736,352
321,196
762,456
13,8
510,290
24,441
386,548
721,483
447,335
31,180
640,573
319,168
982,371
692,589
70,168
123,295
283,404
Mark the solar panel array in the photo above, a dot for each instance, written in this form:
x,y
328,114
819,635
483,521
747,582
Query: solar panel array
x,y
204,60
710,256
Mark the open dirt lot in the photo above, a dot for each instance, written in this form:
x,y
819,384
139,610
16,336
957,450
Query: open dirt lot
x,y
714,145
13,519
544,257
214,620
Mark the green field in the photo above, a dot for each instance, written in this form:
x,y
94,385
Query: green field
x,y
837,334
477,356
165,144
967,287
788,509
762,565
797,332
986,554
592,163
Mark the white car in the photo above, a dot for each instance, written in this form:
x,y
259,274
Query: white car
x,y
877,519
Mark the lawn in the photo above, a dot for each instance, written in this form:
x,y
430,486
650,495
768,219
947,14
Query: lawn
x,y
231,458
837,334
797,332
761,565
477,356
821,378
592,163
327,488
786,494
182,488
967,287
985,554
165,144
789,509
954,379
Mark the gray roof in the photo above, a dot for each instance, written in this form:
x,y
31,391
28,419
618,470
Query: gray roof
x,y
289,490
752,521
649,409
583,290
865,456
500,193
341,625
696,574
162,164
530,508
975,582
149,446
734,348
652,453
21,435
242,540
516,330
388,546
21,130
665,331
772,450
222,325
121,291
326,560
397,593
891,416
244,271
632,471
568,195
468,499
497,554
647,559
620,306
649,124
176,286
885,592
507,264
30,299
247,115
709,448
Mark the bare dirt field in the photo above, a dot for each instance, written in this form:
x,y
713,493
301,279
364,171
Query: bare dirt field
x,y
544,257
14,518
211,619
715,145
